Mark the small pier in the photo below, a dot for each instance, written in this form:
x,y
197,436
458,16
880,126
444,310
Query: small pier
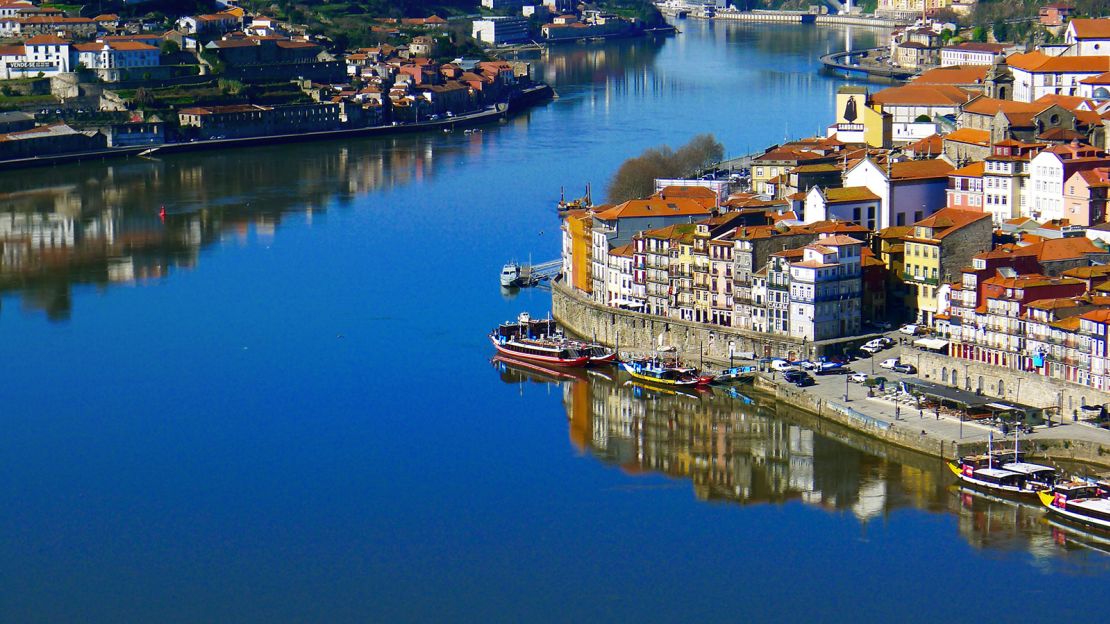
x,y
531,274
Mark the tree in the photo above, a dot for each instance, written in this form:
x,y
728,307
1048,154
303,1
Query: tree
x,y
170,47
1001,31
636,176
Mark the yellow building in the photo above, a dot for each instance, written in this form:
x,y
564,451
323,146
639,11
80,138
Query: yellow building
x,y
859,121
577,239
938,250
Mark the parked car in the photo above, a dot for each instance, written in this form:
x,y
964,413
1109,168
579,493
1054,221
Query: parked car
x,y
877,342
890,363
783,366
910,330
808,365
799,378
858,378
857,354
886,340
805,381
905,369
870,349
839,359
832,368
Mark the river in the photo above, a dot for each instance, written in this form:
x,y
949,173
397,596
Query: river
x,y
276,403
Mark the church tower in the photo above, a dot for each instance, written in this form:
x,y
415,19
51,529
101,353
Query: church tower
x,y
999,83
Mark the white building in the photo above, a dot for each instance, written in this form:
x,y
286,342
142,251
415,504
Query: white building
x,y
621,289
908,191
1037,75
45,54
1088,37
826,289
501,30
974,53
851,203
116,55
1049,170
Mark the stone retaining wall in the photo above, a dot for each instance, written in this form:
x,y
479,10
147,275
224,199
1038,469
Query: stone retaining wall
x,y
635,331
1018,386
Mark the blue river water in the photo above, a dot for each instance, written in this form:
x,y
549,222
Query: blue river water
x,y
277,404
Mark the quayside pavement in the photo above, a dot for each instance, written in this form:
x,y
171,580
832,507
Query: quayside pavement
x,y
936,433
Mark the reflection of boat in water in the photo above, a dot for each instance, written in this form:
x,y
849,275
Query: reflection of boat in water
x,y
643,390
655,371
535,371
1080,502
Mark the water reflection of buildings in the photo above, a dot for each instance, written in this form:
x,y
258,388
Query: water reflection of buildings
x,y
734,449
104,225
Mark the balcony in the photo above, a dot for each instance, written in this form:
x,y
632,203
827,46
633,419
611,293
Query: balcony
x,y
932,281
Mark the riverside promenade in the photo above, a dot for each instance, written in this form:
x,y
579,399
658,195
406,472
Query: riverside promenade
x,y
944,436
927,431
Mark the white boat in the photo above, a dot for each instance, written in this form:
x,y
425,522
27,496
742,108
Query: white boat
x,y
1079,502
510,275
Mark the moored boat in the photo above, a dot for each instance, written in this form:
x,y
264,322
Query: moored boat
x,y
536,341
510,275
735,374
657,372
541,340
1080,502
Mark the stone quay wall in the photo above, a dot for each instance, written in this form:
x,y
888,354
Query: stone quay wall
x,y
694,342
1036,390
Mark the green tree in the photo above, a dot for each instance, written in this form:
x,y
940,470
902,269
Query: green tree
x,y
1001,31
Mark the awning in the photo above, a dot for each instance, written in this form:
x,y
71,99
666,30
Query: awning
x,y
931,344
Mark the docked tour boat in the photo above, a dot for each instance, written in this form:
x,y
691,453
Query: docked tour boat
x,y
736,373
540,340
992,473
656,372
1080,502
536,341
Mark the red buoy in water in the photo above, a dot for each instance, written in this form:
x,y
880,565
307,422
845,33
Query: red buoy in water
x,y
162,213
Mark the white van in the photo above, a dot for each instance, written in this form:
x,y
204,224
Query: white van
x,y
890,363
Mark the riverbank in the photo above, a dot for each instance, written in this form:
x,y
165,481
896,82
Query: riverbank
x,y
801,17
833,399
850,62
527,98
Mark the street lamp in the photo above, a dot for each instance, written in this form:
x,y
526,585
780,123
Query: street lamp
x,y
846,388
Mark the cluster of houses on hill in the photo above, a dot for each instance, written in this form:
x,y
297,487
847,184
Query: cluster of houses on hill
x,y
382,85
962,201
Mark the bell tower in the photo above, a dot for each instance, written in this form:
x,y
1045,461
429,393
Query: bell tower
x,y
999,83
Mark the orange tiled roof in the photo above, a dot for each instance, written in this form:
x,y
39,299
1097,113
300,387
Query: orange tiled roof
x,y
951,220
653,207
849,194
969,135
1090,28
919,169
921,94
954,75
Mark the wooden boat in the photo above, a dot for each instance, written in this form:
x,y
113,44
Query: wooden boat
x,y
656,372
541,340
735,374
599,354
536,341
992,473
1080,502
